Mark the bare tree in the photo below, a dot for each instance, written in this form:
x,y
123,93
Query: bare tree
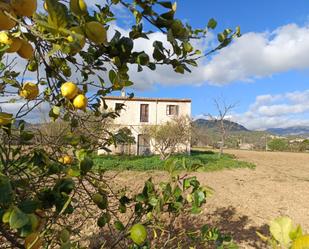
x,y
223,110
169,137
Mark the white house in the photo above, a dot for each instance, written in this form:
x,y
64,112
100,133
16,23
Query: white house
x,y
138,112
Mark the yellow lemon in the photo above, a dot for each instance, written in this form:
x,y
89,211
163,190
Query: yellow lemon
x,y
301,242
5,118
96,32
15,45
24,7
80,102
138,234
66,159
29,91
33,241
4,38
26,50
69,90
6,23
78,7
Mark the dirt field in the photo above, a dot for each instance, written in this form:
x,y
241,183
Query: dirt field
x,y
245,200
250,198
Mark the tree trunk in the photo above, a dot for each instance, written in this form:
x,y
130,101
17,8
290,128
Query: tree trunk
x,y
222,137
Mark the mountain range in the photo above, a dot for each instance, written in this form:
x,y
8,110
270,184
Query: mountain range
x,y
293,131
215,125
235,127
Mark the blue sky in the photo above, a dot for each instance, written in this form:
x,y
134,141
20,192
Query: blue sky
x,y
265,71
257,18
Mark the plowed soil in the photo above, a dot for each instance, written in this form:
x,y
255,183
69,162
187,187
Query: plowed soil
x,y
245,200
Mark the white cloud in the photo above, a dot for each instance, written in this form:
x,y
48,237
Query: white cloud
x,y
254,55
281,110
260,54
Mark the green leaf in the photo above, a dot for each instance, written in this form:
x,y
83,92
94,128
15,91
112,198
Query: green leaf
x,y
28,206
153,201
40,158
73,172
295,233
140,198
237,32
64,235
195,210
65,185
72,139
119,226
152,66
6,191
122,208
81,154
18,218
66,245
187,47
6,216
166,4
138,16
167,192
221,37
86,165
180,69
199,197
26,136
57,14
280,228
190,181
112,76
170,36
227,32
104,219
177,192
158,55
25,230
142,59
54,112
212,24
192,63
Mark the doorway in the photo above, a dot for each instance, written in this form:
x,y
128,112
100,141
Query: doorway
x,y
143,145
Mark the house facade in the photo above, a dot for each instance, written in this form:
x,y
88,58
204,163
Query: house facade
x,y
139,112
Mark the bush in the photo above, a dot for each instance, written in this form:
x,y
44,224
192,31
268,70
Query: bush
x,y
278,144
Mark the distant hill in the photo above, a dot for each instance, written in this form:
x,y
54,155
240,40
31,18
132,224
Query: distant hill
x,y
215,125
294,130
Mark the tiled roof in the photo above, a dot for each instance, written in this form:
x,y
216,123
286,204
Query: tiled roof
x,y
146,99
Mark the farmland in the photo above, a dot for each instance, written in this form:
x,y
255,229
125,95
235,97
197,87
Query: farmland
x,y
245,200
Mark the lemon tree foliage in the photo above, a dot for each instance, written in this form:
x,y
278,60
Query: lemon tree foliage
x,y
285,235
67,57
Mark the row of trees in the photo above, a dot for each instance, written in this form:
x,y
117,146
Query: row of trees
x,y
282,144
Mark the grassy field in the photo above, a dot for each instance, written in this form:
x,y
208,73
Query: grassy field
x,y
197,161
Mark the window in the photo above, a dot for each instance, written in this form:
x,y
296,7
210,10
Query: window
x,y
144,113
172,110
118,107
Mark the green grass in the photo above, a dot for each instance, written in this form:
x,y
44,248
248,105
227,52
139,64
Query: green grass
x,y
206,161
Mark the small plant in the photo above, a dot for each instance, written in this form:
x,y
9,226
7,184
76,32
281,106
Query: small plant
x,y
285,235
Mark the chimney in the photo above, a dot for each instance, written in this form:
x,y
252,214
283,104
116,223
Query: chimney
x,y
123,92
